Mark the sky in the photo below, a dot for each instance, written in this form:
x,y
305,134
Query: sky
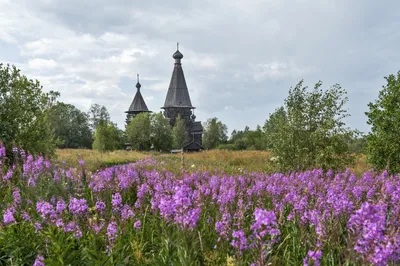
x,y
240,57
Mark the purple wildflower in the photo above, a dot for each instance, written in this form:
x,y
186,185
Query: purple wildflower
x,y
77,206
116,202
39,261
60,207
96,227
44,208
100,206
26,216
17,197
2,151
9,175
126,212
8,216
239,240
137,225
315,256
74,228
112,231
38,226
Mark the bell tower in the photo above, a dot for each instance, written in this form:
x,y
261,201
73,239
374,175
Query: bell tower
x,y
177,101
138,104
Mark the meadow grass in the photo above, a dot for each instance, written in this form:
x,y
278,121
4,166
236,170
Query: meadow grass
x,y
231,162
95,160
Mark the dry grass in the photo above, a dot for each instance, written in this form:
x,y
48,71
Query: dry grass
x,y
361,165
223,160
95,160
229,161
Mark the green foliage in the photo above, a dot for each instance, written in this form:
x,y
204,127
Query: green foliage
x,y
161,133
383,142
358,145
97,114
246,140
23,108
107,137
214,133
138,132
22,236
70,126
179,133
228,146
273,126
309,130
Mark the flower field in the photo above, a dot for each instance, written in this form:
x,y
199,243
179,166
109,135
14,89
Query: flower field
x,y
142,214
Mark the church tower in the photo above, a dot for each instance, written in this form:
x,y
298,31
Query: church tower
x,y
138,105
178,102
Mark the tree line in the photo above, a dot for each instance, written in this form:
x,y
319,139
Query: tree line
x,y
307,131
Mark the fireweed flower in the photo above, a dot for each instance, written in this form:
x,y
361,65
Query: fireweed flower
x,y
77,206
38,226
39,261
116,202
223,226
137,225
17,197
96,227
368,226
9,175
239,240
25,216
126,212
2,151
60,223
315,256
8,216
112,231
44,208
142,191
100,206
74,228
265,226
60,207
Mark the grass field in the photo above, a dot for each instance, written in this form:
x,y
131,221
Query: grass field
x,y
223,160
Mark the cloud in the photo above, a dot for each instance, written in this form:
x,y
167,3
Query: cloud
x,y
42,64
279,70
240,57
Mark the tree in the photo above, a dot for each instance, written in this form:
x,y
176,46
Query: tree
x,y
138,132
106,137
161,133
272,126
246,140
383,142
70,126
179,133
23,108
308,131
96,114
255,139
214,133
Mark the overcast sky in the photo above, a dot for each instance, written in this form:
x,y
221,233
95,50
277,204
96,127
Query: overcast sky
x,y
240,57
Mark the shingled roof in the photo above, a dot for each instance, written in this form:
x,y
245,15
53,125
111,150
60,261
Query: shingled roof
x,y
138,104
178,94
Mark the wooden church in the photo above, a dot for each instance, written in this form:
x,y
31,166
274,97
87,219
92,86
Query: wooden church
x,y
177,102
